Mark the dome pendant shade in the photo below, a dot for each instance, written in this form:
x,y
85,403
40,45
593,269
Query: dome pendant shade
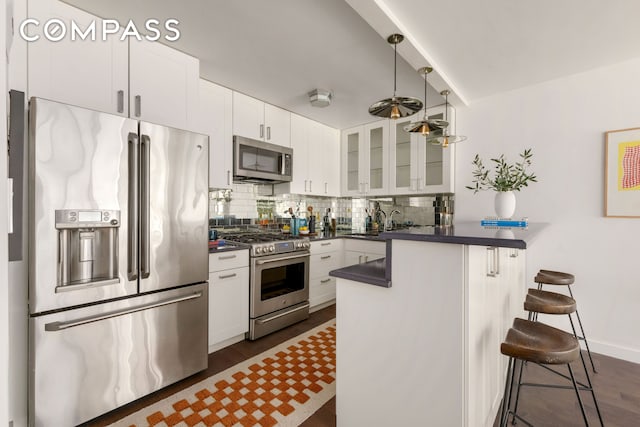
x,y
445,139
426,125
397,106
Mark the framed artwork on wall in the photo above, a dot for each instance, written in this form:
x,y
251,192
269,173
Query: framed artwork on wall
x,y
622,173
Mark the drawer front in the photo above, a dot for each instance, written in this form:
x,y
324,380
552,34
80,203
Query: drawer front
x,y
322,264
321,290
228,260
323,246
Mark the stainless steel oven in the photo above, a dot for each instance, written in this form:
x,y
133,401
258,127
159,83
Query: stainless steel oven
x,y
279,280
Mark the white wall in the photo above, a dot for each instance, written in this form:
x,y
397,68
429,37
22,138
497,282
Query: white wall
x,y
564,122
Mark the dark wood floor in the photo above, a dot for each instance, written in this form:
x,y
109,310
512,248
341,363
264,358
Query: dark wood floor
x,y
617,386
226,358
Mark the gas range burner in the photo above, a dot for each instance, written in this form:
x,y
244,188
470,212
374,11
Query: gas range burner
x,y
266,243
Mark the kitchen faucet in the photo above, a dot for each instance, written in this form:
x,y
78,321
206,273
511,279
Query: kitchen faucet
x,y
389,224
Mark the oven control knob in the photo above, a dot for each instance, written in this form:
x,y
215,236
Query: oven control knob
x,y
258,250
307,245
271,248
299,245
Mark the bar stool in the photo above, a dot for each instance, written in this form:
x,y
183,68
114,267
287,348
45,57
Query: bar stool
x,y
535,342
558,278
538,301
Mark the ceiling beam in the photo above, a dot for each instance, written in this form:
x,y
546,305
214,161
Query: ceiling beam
x,y
380,17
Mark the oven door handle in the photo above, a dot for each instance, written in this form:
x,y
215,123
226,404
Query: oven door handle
x,y
263,261
277,316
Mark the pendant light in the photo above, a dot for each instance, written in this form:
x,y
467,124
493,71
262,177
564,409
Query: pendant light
x,y
397,106
426,125
446,139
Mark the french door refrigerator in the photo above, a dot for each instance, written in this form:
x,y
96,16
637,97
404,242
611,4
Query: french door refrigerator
x,y
118,260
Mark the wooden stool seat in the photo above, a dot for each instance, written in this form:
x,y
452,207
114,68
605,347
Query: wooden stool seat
x,y
549,302
549,277
540,343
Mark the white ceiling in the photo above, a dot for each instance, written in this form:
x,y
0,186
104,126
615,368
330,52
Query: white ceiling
x,y
278,50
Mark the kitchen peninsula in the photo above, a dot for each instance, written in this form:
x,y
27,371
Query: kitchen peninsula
x,y
420,331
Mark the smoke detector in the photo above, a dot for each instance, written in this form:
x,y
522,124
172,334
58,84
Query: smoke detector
x,y
320,97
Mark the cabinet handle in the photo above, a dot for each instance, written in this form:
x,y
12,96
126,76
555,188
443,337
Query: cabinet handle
x,y
493,262
325,257
228,177
268,133
226,257
326,188
359,259
325,280
305,185
310,182
366,258
120,101
325,244
227,276
514,253
261,131
138,105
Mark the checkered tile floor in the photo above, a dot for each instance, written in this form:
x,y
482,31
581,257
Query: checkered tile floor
x,y
268,390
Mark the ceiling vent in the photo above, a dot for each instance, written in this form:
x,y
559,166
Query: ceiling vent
x,y
320,97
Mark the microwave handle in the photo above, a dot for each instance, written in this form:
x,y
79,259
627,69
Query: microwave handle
x,y
283,164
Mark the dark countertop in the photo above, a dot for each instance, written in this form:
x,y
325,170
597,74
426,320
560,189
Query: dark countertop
x,y
378,272
471,233
372,272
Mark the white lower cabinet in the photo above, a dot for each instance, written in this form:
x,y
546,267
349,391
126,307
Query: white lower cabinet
x,y
228,298
326,255
495,296
358,251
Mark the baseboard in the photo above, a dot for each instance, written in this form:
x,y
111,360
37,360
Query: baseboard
x,y
226,343
321,306
628,354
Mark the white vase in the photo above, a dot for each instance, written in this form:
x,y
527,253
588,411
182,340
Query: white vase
x,y
505,204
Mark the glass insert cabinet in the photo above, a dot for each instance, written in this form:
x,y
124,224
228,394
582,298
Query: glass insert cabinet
x,y
381,158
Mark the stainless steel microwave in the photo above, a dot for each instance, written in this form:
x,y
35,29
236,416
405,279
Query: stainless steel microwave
x,y
261,162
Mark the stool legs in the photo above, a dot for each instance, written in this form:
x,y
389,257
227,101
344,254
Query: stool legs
x,y
582,337
584,365
506,398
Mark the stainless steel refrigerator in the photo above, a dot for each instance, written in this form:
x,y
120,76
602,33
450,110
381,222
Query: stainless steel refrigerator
x,y
118,260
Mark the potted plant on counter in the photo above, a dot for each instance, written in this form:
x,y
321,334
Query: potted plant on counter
x,y
506,179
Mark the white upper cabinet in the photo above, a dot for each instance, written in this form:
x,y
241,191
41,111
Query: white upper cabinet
x,y
86,73
365,152
329,163
164,84
110,75
316,159
255,119
214,119
414,166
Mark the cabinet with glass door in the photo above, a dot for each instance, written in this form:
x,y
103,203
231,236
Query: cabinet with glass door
x,y
418,166
365,150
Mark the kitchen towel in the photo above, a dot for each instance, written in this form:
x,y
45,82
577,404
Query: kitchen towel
x,y
282,386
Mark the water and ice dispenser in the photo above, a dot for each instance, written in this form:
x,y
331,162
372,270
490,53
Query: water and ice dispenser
x,y
87,248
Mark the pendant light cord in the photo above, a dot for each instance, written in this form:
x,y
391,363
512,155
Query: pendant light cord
x,y
395,66
425,94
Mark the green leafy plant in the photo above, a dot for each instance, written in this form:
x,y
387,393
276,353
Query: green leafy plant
x,y
506,177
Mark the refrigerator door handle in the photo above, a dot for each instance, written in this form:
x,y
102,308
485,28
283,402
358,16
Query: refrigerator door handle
x,y
58,326
132,248
145,148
